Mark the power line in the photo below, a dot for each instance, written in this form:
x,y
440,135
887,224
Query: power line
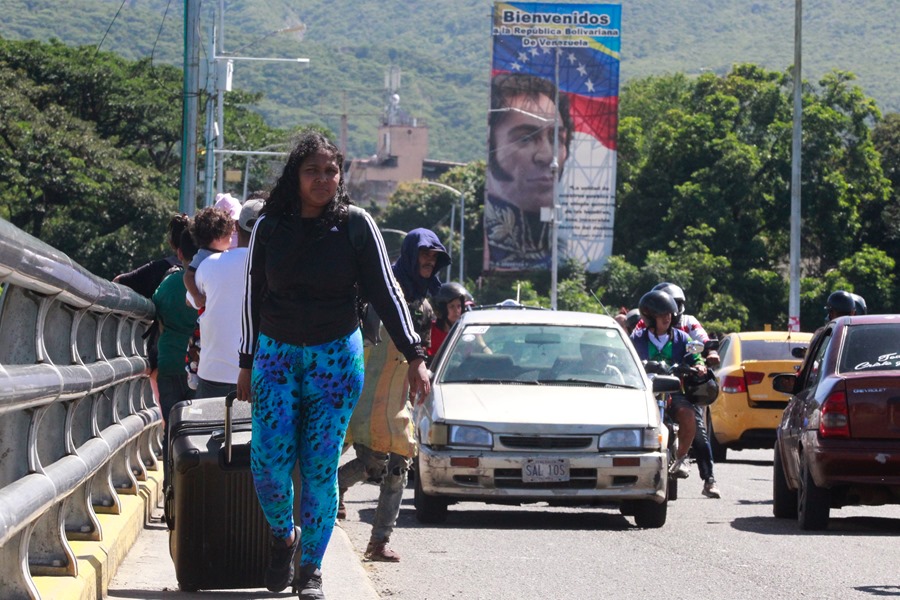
x,y
110,26
159,33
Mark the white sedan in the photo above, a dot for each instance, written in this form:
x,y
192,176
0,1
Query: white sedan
x,y
541,406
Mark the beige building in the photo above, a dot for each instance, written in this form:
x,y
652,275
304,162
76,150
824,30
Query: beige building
x,y
401,156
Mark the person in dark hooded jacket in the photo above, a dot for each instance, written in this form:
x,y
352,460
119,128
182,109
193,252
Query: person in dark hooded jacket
x,y
422,256
381,429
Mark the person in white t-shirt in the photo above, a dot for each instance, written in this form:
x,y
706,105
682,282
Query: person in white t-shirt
x,y
220,279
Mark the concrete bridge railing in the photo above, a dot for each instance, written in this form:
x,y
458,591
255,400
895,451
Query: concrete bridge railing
x,y
78,424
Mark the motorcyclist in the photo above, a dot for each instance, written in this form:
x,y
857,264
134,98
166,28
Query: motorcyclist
x,y
860,304
632,318
841,304
701,445
449,304
659,340
688,323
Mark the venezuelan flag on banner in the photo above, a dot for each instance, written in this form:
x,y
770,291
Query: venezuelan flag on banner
x,y
547,49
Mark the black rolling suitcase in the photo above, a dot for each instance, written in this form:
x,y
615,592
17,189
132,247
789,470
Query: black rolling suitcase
x,y
219,538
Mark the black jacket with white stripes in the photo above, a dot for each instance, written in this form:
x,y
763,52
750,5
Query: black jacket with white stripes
x,y
304,294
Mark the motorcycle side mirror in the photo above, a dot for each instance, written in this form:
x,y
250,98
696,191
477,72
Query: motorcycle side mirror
x,y
799,352
711,345
694,347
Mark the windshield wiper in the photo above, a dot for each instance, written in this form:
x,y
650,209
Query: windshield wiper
x,y
595,382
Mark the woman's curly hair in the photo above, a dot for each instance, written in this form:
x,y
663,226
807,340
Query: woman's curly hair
x,y
285,196
177,224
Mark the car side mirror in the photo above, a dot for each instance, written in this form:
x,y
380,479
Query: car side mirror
x,y
799,352
665,384
785,383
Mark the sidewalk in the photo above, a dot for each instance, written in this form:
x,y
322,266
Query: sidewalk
x,y
142,568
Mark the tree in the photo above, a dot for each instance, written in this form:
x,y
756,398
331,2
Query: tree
x,y
886,138
90,150
61,183
705,165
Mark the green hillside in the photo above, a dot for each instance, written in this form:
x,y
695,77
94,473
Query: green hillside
x,y
443,49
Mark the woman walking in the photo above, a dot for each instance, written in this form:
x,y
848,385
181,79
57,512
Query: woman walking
x,y
302,352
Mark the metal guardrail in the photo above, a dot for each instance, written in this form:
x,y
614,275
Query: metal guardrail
x,y
78,423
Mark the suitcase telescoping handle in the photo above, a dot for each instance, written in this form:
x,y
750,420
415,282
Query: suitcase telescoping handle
x,y
229,401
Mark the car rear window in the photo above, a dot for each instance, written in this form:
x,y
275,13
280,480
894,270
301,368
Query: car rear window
x,y
873,347
768,349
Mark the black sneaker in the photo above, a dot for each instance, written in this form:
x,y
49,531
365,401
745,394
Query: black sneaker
x,y
308,584
280,571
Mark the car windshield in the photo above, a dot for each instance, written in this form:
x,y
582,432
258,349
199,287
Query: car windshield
x,y
768,349
873,347
541,354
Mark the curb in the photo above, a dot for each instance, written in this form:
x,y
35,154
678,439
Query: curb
x,y
106,564
343,576
97,562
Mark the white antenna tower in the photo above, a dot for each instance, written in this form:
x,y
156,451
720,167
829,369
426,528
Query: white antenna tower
x,y
391,96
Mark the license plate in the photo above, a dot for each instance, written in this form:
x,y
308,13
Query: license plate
x,y
537,470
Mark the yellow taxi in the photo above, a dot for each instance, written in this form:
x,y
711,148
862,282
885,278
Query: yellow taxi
x,y
748,410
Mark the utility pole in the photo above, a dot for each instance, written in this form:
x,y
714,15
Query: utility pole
x,y
794,299
187,200
344,123
554,171
219,76
211,124
223,84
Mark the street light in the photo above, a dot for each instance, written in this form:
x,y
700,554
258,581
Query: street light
x,y
292,29
462,219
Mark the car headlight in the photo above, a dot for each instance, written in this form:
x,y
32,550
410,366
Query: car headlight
x,y
631,439
466,435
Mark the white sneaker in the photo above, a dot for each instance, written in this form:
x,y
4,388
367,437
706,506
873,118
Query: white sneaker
x,y
680,468
710,490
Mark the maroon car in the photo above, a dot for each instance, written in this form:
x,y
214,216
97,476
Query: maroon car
x,y
838,443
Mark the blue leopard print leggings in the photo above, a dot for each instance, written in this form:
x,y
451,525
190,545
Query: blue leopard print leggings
x,y
303,397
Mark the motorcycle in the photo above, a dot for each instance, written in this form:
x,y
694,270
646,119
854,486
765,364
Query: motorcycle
x,y
698,389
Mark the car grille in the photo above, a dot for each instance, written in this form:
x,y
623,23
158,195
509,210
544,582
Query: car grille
x,y
579,479
535,442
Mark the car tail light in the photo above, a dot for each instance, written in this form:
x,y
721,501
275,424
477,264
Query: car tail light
x,y
835,419
754,378
734,384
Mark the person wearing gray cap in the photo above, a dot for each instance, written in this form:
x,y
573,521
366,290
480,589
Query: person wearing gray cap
x,y
219,278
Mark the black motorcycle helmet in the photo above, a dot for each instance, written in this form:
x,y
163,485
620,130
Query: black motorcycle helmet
x,y
840,304
656,302
677,294
631,319
701,391
449,292
860,304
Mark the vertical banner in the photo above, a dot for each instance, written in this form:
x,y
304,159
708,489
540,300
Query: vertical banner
x,y
554,95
